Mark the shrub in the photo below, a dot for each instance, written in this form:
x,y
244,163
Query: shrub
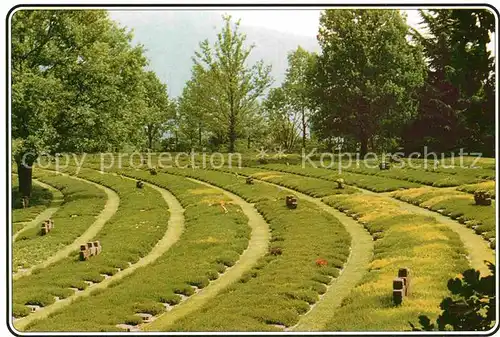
x,y
322,278
308,296
19,310
229,259
41,300
472,306
220,267
133,320
171,299
200,282
212,275
247,276
152,308
330,271
186,290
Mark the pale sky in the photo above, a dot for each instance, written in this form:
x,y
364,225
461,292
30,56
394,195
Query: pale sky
x,y
300,22
306,21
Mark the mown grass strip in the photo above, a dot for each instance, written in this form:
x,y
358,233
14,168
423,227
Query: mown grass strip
x,y
257,247
457,205
283,286
108,211
311,186
487,186
370,182
420,176
432,251
44,201
82,204
174,231
139,223
361,251
417,171
212,241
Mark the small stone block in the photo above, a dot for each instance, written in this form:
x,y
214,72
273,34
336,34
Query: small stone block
x,y
397,296
404,272
398,284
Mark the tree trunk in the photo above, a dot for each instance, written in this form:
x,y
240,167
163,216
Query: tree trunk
x,y
232,133
199,134
150,143
25,175
303,129
232,122
364,145
248,142
150,137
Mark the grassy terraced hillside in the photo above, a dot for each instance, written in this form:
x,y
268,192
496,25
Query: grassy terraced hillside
x,y
210,243
430,250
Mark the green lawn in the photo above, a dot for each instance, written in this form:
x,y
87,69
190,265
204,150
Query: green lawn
x,y
281,287
82,203
432,251
40,200
140,222
212,241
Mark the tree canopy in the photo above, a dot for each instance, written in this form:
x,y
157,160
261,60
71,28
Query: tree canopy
x,y
79,84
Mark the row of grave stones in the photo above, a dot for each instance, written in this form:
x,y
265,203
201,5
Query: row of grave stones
x,y
401,286
90,249
482,198
47,226
290,200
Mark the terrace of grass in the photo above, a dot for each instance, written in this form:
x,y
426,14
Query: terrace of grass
x,y
431,251
212,241
139,223
458,205
370,182
82,203
282,287
40,200
311,186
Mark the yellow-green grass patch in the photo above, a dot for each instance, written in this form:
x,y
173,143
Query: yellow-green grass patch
x,y
209,244
487,186
457,205
429,249
82,204
139,223
282,286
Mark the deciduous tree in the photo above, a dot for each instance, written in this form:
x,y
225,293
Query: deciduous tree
x,y
366,75
232,86
75,77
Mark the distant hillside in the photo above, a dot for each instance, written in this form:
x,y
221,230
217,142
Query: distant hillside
x,y
171,38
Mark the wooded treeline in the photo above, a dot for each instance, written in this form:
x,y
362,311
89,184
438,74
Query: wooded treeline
x,y
80,85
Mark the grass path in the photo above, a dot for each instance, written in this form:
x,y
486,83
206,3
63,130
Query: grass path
x,y
476,246
257,247
172,235
45,214
109,210
353,271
